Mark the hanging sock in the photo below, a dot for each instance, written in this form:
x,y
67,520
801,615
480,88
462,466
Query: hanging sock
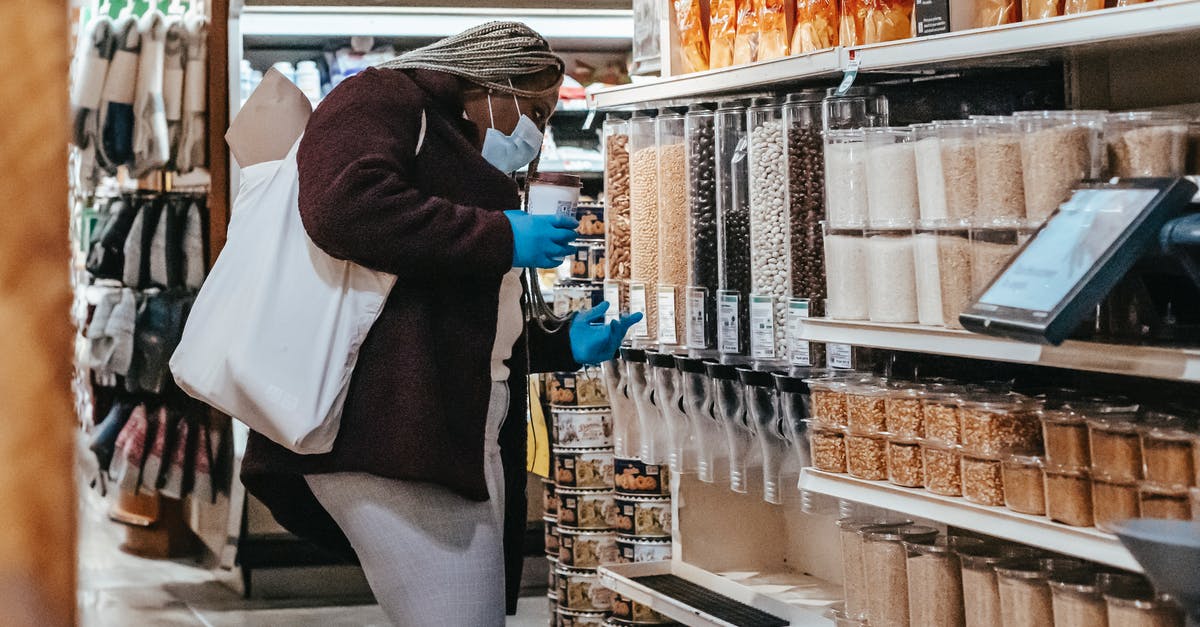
x,y
193,246
151,144
193,145
174,62
116,104
90,69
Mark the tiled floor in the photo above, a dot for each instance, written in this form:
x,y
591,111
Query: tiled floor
x,y
120,590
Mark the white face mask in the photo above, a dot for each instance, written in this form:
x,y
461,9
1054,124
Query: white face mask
x,y
509,153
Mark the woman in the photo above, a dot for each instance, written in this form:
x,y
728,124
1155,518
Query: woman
x,y
406,169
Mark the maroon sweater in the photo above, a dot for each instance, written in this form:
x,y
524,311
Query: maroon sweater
x,y
419,394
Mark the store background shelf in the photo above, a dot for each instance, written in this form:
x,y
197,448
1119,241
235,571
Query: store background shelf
x,y
1176,364
799,599
1085,542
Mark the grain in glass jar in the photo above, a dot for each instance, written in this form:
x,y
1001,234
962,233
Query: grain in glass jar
x,y
1169,502
940,413
1024,485
981,594
1025,598
956,139
999,424
1058,149
935,580
1077,599
943,468
616,184
905,465
1146,143
846,272
891,273
828,448
853,570
828,401
1069,497
887,576
891,174
982,480
1113,502
866,408
866,456
905,416
998,159
1167,450
1065,434
1116,449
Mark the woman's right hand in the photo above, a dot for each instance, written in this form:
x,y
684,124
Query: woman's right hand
x,y
541,241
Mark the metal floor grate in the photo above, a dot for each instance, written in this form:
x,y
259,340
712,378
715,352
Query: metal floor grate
x,y
710,602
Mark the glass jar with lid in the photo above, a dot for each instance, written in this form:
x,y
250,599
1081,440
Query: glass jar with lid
x,y
856,107
733,232
702,241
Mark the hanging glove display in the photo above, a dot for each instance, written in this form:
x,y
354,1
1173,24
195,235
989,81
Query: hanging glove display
x,y
116,104
151,144
541,241
90,69
174,62
193,142
593,341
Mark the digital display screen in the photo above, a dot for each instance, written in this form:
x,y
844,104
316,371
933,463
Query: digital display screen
x,y
1070,245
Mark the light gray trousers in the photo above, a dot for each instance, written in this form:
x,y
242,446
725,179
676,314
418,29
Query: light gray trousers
x,y
431,556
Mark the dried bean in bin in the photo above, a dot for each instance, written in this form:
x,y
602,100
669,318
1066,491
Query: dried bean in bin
x,y
806,198
733,222
703,259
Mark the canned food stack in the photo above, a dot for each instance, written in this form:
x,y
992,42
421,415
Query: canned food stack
x,y
1079,460
899,574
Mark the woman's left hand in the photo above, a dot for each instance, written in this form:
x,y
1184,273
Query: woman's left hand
x,y
592,341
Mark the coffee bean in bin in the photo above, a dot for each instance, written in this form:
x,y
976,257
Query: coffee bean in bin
x,y
806,187
703,258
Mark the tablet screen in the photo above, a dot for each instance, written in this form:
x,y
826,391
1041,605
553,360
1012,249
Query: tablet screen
x,y
1070,245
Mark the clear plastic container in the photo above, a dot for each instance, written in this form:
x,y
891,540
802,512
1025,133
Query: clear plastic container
x,y
953,271
903,406
1058,149
616,188
1024,485
1000,183
866,407
866,456
1065,434
931,183
1113,502
1000,424
706,430
828,446
1077,599
829,401
891,275
643,211
905,464
762,412
940,409
639,379
1166,502
928,281
850,534
991,249
770,270
1069,497
956,141
1116,449
981,593
846,199
887,574
1194,495
795,403
982,480
846,271
668,389
730,409
733,232
842,618
1145,144
891,174
1167,455
935,580
1025,598
672,228
626,437
858,107
806,197
1138,606
702,240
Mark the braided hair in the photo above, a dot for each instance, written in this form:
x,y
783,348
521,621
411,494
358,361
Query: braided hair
x,y
489,55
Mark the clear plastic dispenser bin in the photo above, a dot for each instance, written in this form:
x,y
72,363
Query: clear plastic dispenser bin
x,y
643,214
668,394
858,107
702,253
795,407
626,440
733,233
706,430
763,416
728,395
640,383
672,230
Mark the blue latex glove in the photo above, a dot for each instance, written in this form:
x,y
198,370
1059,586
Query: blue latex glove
x,y
541,241
592,341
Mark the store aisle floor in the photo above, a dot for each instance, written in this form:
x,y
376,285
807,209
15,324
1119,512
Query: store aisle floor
x,y
118,590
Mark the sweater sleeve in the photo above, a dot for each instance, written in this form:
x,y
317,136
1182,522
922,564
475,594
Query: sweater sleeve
x,y
359,200
550,351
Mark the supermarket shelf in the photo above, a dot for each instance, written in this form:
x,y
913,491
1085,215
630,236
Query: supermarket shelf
x,y
799,599
1177,364
1085,542
1153,24
740,79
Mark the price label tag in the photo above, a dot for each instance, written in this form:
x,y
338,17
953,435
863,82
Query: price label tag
x,y
728,307
697,318
762,327
849,76
637,304
839,356
798,309
612,296
667,333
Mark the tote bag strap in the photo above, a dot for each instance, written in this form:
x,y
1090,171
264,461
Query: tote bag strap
x,y
420,135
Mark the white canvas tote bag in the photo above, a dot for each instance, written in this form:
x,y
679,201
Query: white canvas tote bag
x,y
276,328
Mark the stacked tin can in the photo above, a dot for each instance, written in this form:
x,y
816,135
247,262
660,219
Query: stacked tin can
x,y
583,285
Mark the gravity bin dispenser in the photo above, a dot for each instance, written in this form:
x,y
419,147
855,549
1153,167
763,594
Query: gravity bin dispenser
x,y
1119,262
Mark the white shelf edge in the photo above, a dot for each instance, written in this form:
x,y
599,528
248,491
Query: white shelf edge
x,y
1175,364
1085,542
621,579
1137,22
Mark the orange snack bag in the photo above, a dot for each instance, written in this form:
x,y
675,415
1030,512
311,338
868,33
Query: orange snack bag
x,y
997,13
722,31
875,21
693,39
816,26
773,29
745,45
